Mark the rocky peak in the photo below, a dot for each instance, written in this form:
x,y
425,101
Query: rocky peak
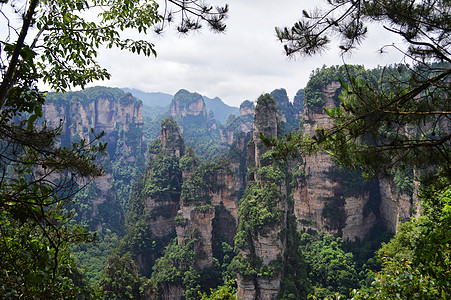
x,y
246,108
266,119
298,103
186,103
171,139
283,103
265,243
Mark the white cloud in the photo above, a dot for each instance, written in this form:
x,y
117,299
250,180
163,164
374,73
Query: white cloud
x,y
241,64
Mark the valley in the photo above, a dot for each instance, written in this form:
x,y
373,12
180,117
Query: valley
x,y
207,201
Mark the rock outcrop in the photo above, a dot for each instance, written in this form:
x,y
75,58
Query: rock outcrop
x,y
117,114
263,212
237,125
207,204
209,207
331,199
186,103
199,128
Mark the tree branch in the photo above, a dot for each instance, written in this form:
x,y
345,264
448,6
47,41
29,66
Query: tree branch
x,y
7,79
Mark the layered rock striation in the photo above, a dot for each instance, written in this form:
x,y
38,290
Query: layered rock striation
x,y
119,116
263,212
236,126
334,200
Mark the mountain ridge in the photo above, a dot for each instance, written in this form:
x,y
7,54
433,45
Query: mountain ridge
x,y
220,109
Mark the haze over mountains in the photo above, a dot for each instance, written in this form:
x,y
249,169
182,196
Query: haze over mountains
x,y
220,110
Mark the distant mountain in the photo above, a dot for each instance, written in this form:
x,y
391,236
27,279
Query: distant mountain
x,y
220,109
151,99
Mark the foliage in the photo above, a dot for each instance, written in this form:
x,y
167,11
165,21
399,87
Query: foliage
x,y
124,162
38,177
61,26
192,14
84,97
296,283
391,126
37,182
92,257
320,78
120,279
266,101
224,292
259,211
164,182
403,117
417,261
161,184
203,182
189,161
330,269
364,251
423,25
172,267
36,262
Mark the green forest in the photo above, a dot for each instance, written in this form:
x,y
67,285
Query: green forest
x,y
343,192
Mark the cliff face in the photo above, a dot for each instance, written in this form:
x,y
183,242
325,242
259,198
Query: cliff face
x,y
396,206
263,212
186,103
330,199
201,206
100,113
199,128
237,125
315,186
119,115
209,208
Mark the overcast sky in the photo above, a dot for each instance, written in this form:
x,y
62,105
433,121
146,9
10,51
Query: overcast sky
x,y
239,65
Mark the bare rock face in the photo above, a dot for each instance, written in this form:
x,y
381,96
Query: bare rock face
x,y
318,192
214,210
356,220
186,103
268,244
396,206
241,124
325,202
172,292
101,109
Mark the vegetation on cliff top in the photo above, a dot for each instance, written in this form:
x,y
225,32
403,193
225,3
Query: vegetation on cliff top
x,y
38,177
